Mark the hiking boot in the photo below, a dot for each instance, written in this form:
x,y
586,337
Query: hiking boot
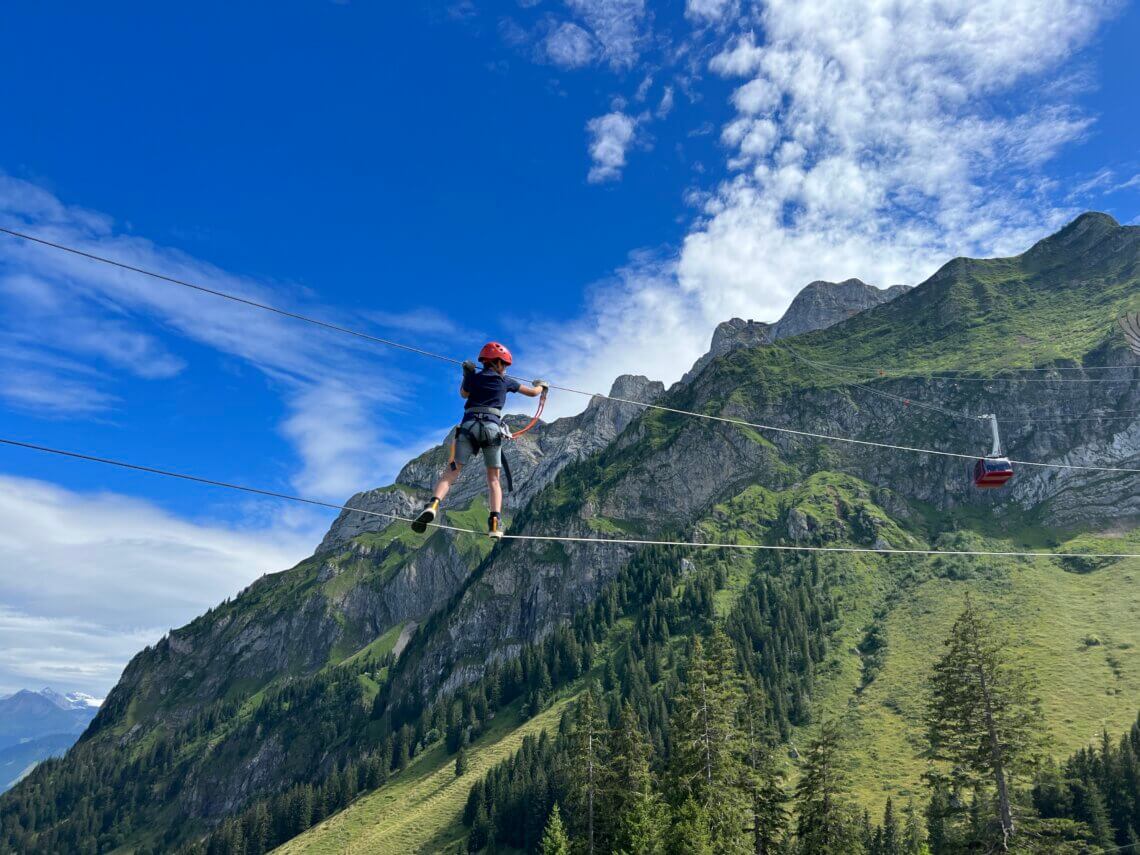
x,y
427,515
495,527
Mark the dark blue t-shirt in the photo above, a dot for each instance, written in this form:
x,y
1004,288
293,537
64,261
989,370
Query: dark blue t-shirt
x,y
488,388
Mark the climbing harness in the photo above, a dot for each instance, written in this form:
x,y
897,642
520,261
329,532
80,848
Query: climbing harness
x,y
994,469
480,441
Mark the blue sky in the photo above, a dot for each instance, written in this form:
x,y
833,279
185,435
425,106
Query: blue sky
x,y
596,182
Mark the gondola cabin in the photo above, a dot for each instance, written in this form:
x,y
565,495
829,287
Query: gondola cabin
x,y
992,472
994,469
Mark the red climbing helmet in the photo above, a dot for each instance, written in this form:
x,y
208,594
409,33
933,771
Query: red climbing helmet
x,y
494,350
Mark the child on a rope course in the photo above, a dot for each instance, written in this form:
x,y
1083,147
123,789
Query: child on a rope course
x,y
481,430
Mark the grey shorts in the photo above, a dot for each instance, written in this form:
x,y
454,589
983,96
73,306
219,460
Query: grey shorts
x,y
486,432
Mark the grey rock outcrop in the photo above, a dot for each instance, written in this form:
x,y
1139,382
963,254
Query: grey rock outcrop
x,y
823,304
730,335
818,306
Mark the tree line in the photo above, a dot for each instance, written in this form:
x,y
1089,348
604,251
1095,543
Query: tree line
x,y
715,783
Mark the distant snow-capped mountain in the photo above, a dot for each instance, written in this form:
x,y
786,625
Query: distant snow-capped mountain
x,y
38,725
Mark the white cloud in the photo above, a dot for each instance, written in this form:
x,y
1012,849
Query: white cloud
x,y
421,321
71,325
636,322
333,430
884,155
756,96
610,137
37,391
643,88
742,58
90,578
666,106
871,140
710,11
569,46
617,25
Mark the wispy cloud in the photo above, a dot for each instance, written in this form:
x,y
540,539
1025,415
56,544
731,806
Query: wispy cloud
x,y
569,46
34,390
74,326
422,321
618,25
711,11
92,577
611,136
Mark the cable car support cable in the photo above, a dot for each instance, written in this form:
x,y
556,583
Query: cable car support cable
x,y
151,470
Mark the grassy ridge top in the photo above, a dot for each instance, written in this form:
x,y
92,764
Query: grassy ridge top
x,y
1058,301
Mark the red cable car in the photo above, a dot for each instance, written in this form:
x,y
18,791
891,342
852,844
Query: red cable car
x,y
994,469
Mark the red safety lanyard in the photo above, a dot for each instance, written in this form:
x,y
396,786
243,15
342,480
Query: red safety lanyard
x,y
541,403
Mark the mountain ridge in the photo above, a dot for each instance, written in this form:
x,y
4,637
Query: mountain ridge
x,y
816,306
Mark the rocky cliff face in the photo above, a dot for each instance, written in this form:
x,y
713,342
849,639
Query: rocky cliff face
x,y
366,577
824,304
818,306
670,470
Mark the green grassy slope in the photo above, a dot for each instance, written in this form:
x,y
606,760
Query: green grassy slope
x,y
421,808
1077,633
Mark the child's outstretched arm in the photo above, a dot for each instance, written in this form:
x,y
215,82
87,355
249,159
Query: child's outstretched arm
x,y
537,387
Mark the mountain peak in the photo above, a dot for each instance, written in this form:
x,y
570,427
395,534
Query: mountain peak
x,y
822,304
636,387
1083,233
818,305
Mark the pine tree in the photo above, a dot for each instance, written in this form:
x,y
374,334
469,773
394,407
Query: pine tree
x,y
636,816
1088,807
461,762
824,822
708,748
937,811
913,840
587,756
763,783
890,842
689,834
554,839
481,830
983,714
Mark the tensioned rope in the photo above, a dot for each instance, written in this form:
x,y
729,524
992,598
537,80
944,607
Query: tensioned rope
x,y
227,296
422,352
152,470
847,439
